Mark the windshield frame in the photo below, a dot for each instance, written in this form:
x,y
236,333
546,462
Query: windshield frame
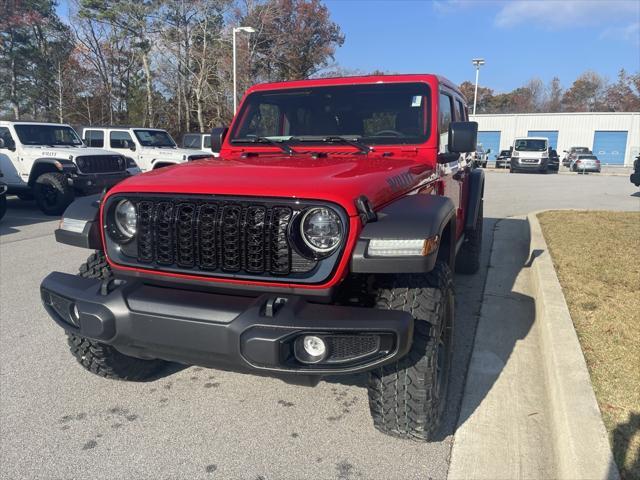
x,y
19,126
157,130
427,92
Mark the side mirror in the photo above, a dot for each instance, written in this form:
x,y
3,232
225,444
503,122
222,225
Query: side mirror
x,y
131,145
463,137
2,143
488,151
218,135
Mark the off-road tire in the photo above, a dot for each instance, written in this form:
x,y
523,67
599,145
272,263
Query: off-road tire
x,y
468,258
3,205
53,193
102,359
407,398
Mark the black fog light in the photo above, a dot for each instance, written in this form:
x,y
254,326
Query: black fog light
x,y
310,349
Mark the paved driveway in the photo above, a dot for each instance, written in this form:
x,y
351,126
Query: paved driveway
x,y
59,421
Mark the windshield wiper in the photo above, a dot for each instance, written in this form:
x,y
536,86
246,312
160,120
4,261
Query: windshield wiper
x,y
364,148
281,145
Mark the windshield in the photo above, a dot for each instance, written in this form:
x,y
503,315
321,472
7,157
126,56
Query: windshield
x,y
154,138
52,135
374,114
529,145
581,150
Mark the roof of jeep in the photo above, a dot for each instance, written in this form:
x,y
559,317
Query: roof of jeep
x,y
120,127
364,79
29,122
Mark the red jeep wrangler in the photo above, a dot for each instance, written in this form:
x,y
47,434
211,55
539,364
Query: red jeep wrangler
x,y
321,242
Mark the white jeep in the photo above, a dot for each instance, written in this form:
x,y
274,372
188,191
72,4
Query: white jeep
x,y
150,148
49,162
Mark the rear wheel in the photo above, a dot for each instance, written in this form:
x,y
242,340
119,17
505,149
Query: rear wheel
x,y
52,193
407,398
102,359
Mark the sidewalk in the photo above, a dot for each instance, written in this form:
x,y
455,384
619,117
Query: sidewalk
x,y
517,419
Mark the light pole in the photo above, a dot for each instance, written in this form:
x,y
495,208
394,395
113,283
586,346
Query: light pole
x,y
477,62
235,88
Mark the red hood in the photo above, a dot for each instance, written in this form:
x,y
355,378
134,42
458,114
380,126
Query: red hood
x,y
337,178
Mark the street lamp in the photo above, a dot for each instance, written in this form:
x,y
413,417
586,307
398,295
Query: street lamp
x,y
235,88
477,62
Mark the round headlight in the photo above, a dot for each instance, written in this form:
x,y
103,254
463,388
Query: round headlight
x,y
321,229
125,218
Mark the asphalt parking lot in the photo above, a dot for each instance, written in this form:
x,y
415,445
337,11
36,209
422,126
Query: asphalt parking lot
x,y
59,421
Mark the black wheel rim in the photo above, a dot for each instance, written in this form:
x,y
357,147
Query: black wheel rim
x,y
49,194
444,338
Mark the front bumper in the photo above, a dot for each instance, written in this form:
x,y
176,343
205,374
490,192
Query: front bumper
x,y
538,166
244,334
95,182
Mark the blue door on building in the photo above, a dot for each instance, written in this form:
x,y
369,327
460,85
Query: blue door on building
x,y
552,135
490,140
610,147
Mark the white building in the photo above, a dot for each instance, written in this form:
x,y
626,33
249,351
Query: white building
x,y
613,137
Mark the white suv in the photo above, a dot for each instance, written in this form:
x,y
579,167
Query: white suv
x,y
49,162
198,141
150,148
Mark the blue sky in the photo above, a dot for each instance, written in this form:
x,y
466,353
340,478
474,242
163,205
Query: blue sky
x,y
518,39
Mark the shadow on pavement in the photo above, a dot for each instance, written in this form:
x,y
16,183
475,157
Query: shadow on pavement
x,y
21,213
628,460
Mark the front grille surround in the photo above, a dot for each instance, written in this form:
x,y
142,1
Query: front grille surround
x,y
245,238
90,164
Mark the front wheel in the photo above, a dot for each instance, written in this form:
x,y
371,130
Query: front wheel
x,y
407,398
53,193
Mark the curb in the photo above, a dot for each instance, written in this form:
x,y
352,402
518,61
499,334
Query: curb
x,y
600,174
580,438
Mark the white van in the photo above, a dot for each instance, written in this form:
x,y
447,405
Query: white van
x,y
530,154
150,148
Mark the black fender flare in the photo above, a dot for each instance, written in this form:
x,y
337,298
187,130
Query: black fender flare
x,y
50,164
80,224
476,192
411,217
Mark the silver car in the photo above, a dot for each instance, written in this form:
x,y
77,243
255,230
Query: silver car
x,y
585,163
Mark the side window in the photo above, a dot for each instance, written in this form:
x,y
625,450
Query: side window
x,y
444,119
6,136
120,139
94,138
206,141
461,111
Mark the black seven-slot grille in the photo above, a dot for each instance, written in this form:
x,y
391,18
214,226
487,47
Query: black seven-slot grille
x,y
100,163
237,237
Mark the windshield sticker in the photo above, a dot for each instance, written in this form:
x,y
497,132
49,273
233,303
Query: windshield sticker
x,y
416,101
